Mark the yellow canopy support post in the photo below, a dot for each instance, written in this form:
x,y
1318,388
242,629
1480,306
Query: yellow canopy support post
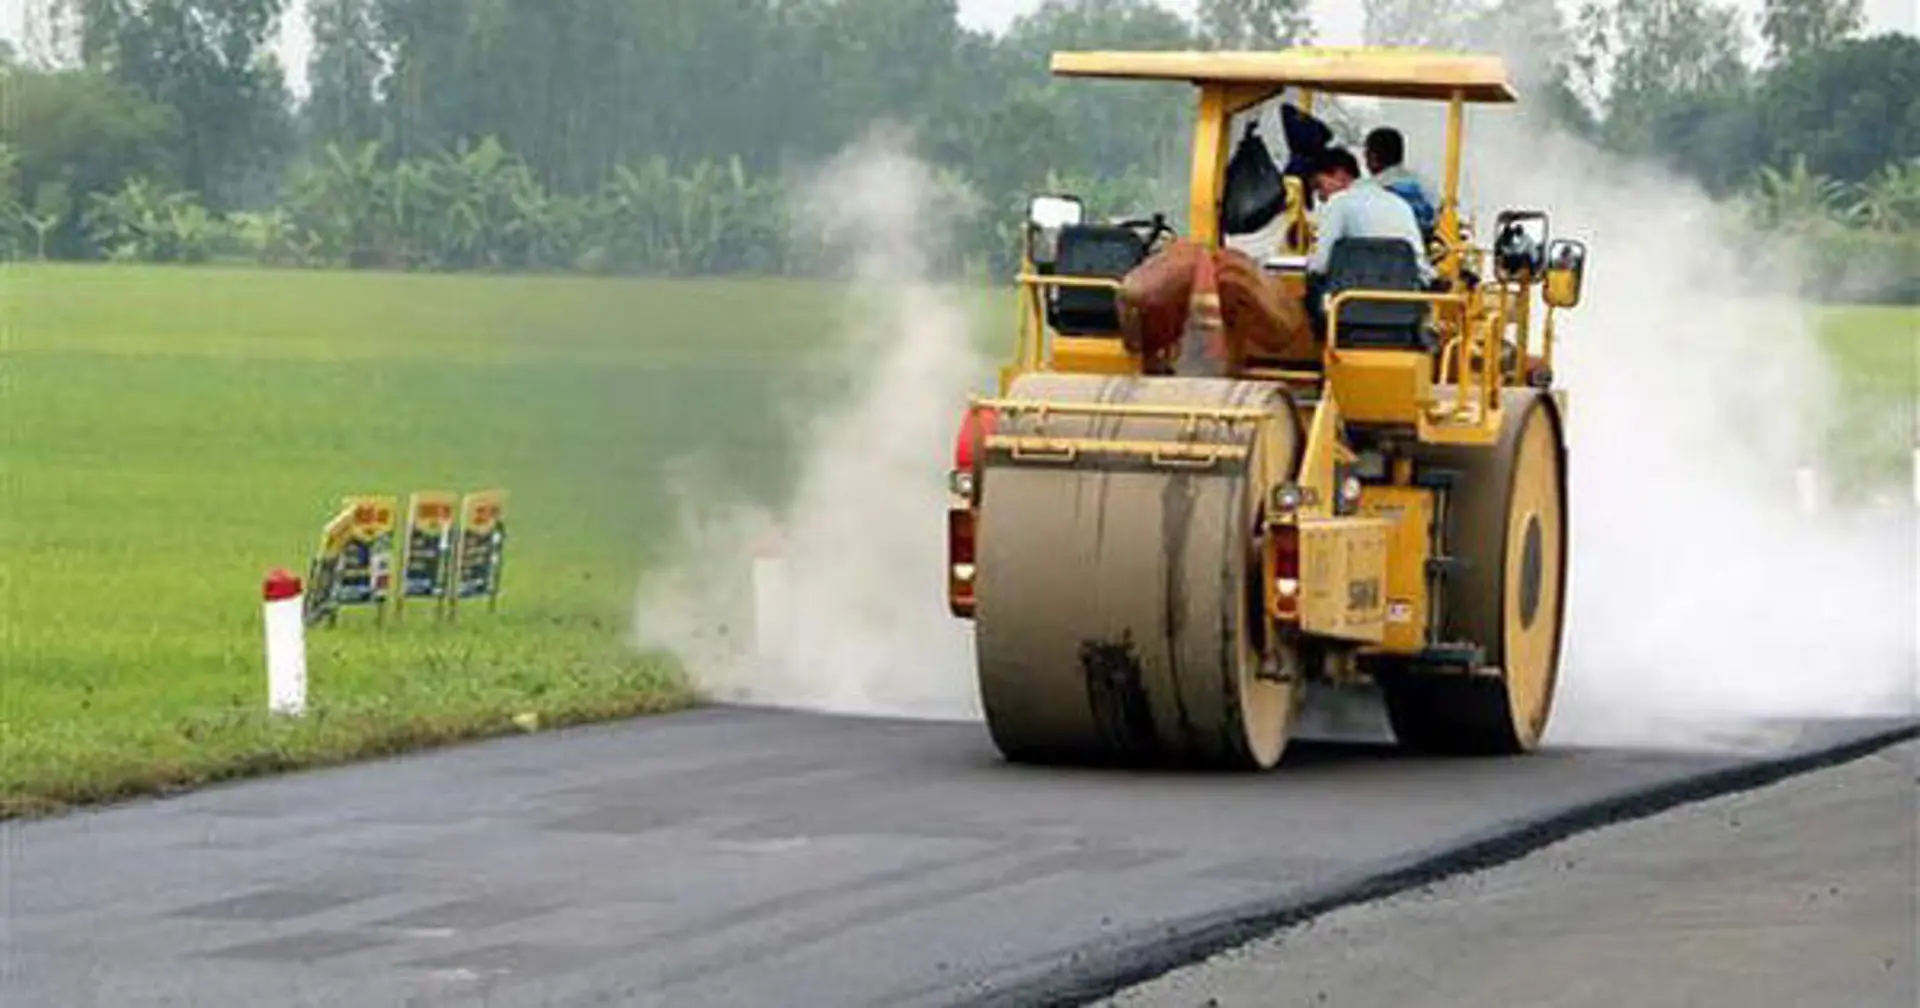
x,y
1450,200
1209,166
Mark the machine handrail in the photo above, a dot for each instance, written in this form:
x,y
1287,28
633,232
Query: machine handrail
x,y
1221,414
1067,280
1341,299
1483,393
1168,454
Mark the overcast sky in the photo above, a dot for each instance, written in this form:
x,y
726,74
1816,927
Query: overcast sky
x,y
1338,21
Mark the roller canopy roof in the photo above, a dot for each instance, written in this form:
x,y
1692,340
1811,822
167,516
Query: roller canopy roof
x,y
1419,74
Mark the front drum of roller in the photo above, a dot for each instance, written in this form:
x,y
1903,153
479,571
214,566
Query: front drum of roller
x,y
1117,617
1508,522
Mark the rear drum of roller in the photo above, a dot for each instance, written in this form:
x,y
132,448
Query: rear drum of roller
x,y
1509,523
1117,620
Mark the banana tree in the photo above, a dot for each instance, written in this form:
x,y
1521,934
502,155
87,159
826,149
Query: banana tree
x,y
1889,200
723,218
188,232
50,207
1796,199
126,223
633,232
12,212
410,194
475,211
269,236
531,233
558,233
339,201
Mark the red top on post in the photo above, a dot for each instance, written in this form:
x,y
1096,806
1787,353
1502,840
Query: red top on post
x,y
281,585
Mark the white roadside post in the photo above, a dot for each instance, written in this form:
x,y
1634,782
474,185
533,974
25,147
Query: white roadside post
x,y
1808,481
769,599
286,629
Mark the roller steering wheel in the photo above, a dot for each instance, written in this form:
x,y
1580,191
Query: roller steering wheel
x,y
1154,226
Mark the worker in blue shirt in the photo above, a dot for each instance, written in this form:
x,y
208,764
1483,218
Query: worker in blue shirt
x,y
1386,151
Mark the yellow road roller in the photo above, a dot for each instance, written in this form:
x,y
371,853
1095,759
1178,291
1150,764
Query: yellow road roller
x,y
1228,469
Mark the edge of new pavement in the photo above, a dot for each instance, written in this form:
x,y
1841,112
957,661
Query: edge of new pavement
x,y
1109,967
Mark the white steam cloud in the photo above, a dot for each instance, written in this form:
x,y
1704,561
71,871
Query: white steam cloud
x,y
1704,601
857,608
1706,606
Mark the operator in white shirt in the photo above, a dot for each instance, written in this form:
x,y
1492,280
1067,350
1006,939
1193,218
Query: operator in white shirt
x,y
1356,207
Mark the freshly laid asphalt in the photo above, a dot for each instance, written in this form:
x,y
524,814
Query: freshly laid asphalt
x,y
736,857
1802,894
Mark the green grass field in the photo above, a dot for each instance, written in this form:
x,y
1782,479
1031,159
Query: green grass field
x,y
1876,347
173,433
1878,350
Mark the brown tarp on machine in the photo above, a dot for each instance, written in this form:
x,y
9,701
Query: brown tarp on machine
x,y
1190,307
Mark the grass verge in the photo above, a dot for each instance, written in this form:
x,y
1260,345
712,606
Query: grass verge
x,y
171,434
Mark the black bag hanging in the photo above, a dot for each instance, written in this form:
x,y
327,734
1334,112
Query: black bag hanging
x,y
1307,138
1254,193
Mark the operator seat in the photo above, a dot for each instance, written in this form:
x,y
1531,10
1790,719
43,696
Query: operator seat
x,y
1384,264
1091,250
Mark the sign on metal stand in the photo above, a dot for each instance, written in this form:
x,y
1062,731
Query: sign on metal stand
x,y
427,564
366,575
480,550
323,574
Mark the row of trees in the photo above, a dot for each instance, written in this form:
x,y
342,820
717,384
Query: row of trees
x,y
1857,241
1798,198
661,135
481,207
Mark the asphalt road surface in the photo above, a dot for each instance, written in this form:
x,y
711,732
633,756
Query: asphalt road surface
x,y
730,857
1799,894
